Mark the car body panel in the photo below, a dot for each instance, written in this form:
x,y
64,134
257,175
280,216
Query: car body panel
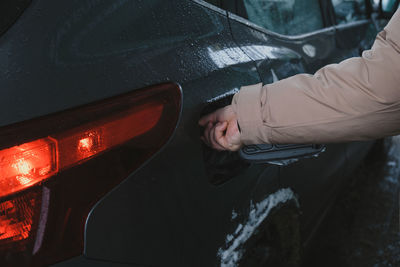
x,y
61,55
277,57
178,213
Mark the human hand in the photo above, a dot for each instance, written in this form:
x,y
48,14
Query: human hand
x,y
221,130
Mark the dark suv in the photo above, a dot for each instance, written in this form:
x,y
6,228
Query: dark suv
x,y
101,163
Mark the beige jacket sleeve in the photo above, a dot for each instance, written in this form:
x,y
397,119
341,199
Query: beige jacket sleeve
x,y
358,99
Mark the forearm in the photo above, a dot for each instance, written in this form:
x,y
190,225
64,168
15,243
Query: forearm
x,y
358,99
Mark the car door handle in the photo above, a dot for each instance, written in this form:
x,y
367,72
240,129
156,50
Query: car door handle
x,y
264,153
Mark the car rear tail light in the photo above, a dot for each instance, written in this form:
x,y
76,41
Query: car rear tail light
x,y
23,165
87,141
16,218
54,169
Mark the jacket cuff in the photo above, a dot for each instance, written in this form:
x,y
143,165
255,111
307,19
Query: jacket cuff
x,y
247,106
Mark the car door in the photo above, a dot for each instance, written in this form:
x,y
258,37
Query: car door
x,y
179,208
354,30
285,38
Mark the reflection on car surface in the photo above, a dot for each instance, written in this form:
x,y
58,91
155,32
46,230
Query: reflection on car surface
x,y
101,161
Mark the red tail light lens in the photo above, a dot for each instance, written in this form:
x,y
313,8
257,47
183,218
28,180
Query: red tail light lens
x,y
16,218
27,164
24,165
76,157
87,141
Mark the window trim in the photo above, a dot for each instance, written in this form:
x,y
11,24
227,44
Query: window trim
x,y
330,29
211,6
250,24
353,24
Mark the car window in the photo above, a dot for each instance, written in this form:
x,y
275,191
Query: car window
x,y
288,17
389,5
349,10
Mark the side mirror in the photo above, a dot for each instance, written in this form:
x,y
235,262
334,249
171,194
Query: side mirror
x,y
264,153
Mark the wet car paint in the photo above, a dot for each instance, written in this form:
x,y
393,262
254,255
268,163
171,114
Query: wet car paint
x,y
60,55
67,54
179,214
316,180
330,163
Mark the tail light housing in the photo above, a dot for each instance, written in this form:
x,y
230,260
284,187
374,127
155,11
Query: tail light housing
x,y
54,169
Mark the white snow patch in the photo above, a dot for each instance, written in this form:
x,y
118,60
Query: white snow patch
x,y
392,163
226,94
229,238
234,215
232,253
240,226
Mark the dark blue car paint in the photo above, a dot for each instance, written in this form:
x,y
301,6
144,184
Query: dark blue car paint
x,y
63,54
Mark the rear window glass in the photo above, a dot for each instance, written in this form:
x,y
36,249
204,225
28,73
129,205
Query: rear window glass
x,y
288,17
